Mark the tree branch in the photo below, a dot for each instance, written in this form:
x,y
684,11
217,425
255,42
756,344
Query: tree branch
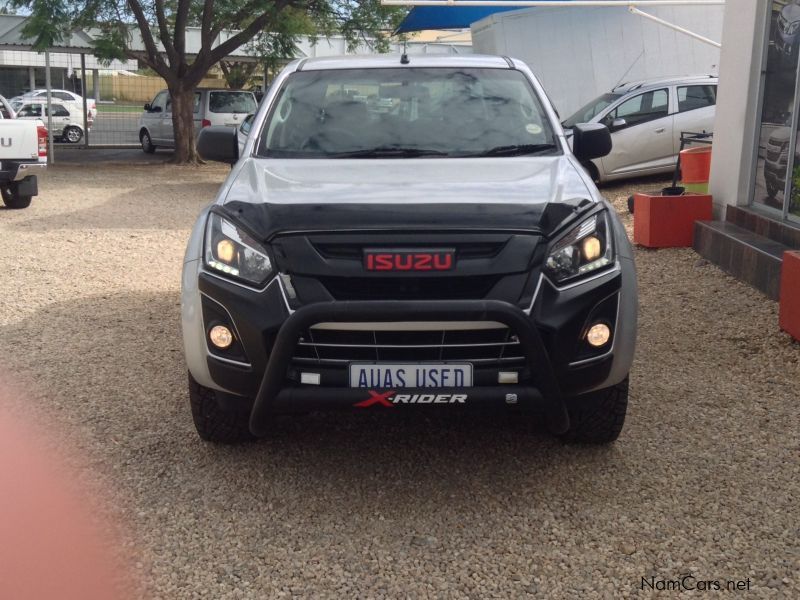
x,y
166,38
234,19
181,18
156,61
246,34
205,26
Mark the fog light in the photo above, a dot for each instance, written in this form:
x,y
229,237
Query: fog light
x,y
220,336
598,335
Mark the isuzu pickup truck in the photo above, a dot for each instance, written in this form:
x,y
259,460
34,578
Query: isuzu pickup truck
x,y
23,154
408,233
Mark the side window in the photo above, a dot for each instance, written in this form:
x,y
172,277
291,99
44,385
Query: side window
x,y
169,104
30,110
641,109
246,124
692,97
160,101
62,96
196,102
60,111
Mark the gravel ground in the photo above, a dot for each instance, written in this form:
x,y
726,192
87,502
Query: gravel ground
x,y
705,478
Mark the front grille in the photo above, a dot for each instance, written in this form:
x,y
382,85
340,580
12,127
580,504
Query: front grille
x,y
777,151
482,347
473,249
409,288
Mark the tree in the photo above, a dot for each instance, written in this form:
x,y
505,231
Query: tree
x,y
160,28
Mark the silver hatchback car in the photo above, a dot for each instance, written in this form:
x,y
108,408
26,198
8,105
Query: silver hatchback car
x,y
646,120
211,107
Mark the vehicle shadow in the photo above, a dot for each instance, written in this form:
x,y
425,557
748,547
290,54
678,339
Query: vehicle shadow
x,y
112,368
153,207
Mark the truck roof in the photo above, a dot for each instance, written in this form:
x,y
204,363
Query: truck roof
x,y
384,61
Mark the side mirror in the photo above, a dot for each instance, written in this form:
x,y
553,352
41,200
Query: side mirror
x,y
618,123
591,140
219,143
147,107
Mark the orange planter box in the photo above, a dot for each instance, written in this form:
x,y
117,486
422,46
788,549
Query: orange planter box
x,y
668,221
790,294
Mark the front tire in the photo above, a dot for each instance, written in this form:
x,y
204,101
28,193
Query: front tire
x,y
13,199
147,143
214,424
598,417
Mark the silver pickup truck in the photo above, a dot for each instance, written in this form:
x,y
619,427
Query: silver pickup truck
x,y
23,155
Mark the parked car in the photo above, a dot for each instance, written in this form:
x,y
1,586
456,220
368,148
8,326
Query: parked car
x,y
23,155
452,252
788,26
71,99
776,161
66,125
211,107
646,120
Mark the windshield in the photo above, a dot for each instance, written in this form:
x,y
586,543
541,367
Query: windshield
x,y
406,112
591,110
242,103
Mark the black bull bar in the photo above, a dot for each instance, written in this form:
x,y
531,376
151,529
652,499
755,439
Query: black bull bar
x,y
274,397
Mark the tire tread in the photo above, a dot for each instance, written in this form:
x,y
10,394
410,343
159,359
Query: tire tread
x,y
214,424
598,417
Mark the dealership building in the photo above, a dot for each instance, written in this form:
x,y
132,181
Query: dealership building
x,y
755,168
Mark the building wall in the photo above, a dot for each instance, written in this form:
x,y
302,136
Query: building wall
x,y
23,58
734,156
578,53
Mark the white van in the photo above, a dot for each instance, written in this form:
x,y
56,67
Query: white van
x,y
211,107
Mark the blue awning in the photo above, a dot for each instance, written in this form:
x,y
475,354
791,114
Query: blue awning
x,y
447,17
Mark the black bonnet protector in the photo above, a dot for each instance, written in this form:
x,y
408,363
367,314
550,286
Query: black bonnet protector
x,y
266,220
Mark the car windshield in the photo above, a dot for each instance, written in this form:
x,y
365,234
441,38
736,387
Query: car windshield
x,y
406,112
232,102
591,110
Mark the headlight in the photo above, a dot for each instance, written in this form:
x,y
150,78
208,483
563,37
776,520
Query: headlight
x,y
231,251
584,249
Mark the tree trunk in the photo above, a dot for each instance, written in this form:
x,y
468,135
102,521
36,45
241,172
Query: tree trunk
x,y
183,126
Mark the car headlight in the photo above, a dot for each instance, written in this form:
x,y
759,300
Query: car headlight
x,y
586,248
234,253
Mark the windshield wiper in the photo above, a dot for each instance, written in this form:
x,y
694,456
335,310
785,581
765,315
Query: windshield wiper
x,y
517,150
388,152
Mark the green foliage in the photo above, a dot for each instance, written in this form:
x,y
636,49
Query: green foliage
x,y
155,33
279,23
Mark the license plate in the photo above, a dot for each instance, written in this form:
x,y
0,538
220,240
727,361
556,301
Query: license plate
x,y
410,375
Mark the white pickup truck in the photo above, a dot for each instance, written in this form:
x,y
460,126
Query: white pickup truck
x,y
23,154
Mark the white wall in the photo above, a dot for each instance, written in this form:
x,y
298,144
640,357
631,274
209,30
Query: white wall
x,y
578,53
736,122
22,58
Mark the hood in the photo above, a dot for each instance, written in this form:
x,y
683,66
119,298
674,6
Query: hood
x,y
791,12
283,195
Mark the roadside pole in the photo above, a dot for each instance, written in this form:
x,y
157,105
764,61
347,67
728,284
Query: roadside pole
x,y
83,95
50,157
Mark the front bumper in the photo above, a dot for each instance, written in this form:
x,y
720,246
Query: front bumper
x,y
272,395
260,378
